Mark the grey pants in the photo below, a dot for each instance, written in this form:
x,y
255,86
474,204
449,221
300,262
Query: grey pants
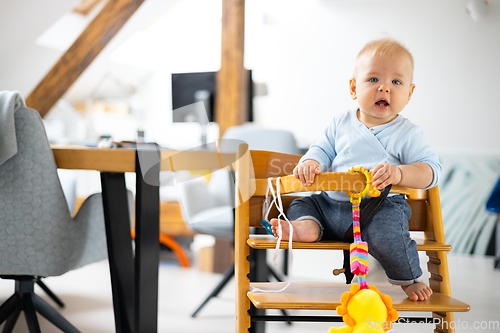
x,y
387,234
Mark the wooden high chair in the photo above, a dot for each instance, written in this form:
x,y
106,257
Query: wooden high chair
x,y
253,169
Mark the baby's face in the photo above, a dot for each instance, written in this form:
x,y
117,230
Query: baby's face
x,y
382,87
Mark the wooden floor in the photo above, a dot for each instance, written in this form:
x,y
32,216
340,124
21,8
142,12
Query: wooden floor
x,y
87,294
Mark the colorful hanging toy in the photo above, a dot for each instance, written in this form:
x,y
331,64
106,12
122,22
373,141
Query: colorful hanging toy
x,y
359,249
363,308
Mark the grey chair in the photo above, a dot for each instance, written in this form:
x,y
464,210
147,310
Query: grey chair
x,y
68,183
208,208
39,237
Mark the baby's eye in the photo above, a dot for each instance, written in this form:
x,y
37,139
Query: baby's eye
x,y
396,82
373,79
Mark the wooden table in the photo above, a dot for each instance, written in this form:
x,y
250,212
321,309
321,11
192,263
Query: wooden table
x,y
134,275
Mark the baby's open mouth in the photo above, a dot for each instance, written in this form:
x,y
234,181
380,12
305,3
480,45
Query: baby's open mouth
x,y
382,102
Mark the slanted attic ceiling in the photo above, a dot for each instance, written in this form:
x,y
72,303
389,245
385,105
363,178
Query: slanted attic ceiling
x,y
23,63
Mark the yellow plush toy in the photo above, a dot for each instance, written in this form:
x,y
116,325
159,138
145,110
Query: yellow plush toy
x,y
365,311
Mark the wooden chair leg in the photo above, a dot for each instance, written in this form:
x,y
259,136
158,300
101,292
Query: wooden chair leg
x,y
440,282
243,286
242,251
445,322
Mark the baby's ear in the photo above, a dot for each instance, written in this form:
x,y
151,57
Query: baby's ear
x,y
352,88
412,88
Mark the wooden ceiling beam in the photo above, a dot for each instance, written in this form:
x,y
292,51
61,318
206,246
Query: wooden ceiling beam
x,y
86,7
79,56
232,79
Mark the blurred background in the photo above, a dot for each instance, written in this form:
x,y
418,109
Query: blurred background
x,y
301,54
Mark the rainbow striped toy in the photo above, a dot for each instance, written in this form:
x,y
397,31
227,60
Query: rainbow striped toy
x,y
359,249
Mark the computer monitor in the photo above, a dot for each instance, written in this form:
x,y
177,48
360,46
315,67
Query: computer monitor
x,y
189,88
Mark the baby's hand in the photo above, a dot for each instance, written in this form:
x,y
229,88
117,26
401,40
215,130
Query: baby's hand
x,y
306,171
385,174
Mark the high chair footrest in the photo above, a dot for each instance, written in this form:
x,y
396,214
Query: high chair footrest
x,y
326,296
265,242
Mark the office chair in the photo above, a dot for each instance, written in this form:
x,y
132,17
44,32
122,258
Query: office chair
x,y
39,237
207,212
68,183
257,138
209,208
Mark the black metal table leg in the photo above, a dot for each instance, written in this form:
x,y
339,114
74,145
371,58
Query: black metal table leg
x,y
119,242
147,244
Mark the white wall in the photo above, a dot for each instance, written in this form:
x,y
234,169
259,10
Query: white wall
x,y
305,50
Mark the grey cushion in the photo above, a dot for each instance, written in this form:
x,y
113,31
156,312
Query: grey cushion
x,y
257,138
39,236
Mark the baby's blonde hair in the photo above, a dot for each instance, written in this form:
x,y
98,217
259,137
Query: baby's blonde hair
x,y
384,47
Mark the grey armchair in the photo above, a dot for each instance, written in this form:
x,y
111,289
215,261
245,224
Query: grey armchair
x,y
39,237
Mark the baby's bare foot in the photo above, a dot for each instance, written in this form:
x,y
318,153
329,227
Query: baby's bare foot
x,y
418,291
303,231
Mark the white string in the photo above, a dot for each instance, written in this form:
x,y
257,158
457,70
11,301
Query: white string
x,y
266,207
280,209
279,205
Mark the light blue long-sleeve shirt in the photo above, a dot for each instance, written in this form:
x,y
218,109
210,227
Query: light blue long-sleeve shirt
x,y
347,143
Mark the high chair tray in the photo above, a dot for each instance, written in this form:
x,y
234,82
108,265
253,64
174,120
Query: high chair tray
x,y
326,296
269,242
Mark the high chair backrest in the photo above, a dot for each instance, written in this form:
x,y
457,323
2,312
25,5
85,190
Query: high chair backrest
x,y
425,217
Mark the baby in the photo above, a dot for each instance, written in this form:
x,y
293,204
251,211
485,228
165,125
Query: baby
x,y
377,137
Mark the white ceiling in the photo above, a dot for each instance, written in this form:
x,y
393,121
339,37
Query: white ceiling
x,y
23,63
